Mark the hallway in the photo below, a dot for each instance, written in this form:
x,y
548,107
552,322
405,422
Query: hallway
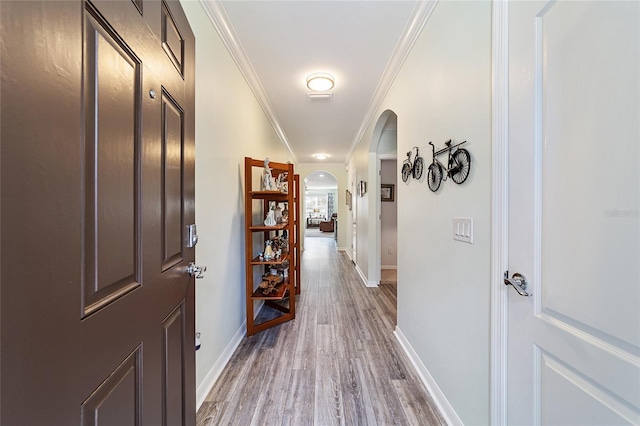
x,y
337,363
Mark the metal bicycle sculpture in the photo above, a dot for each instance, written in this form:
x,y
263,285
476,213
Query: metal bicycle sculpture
x,y
414,168
458,165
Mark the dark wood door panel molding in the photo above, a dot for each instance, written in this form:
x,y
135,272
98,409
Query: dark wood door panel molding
x,y
172,40
117,400
172,181
173,359
112,74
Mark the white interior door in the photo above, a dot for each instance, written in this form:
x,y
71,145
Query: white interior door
x,y
574,228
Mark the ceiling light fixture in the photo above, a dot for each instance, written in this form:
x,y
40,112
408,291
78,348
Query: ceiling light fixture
x,y
320,156
320,82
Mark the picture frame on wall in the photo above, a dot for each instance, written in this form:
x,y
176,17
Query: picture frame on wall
x,y
387,192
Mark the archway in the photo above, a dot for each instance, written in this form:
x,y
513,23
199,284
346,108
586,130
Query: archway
x,y
383,170
320,205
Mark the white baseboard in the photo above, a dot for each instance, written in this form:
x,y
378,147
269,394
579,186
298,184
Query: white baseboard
x,y
363,278
389,267
213,374
349,254
441,401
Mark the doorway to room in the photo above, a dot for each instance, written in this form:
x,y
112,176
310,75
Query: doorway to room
x,y
320,205
383,164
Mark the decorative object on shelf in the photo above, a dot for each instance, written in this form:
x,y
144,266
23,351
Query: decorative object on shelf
x,y
386,192
268,251
458,165
269,283
412,168
270,220
277,212
268,183
363,188
282,183
285,214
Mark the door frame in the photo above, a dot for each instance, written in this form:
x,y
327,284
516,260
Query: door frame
x,y
499,213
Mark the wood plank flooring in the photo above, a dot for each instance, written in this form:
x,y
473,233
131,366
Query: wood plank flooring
x,y
337,363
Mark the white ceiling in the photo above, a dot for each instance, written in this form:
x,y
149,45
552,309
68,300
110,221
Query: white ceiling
x,y
277,44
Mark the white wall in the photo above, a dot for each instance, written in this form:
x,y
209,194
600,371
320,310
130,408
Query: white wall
x,y
389,215
230,125
443,91
388,142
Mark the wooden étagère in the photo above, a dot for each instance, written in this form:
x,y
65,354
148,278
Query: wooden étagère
x,y
271,278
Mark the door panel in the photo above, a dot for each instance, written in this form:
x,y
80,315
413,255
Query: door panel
x,y
172,173
112,80
173,342
117,400
172,40
97,186
588,126
574,197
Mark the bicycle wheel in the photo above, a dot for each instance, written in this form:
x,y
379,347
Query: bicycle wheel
x,y
462,166
418,166
434,176
406,171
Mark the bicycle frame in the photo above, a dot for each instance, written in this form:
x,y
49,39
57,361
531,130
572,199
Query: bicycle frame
x,y
450,148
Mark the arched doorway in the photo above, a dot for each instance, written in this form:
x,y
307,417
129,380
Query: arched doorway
x,y
383,171
320,205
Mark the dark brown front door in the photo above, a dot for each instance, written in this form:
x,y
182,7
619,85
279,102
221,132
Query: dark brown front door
x,y
97,191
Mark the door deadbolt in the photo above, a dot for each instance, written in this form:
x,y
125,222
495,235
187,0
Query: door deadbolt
x,y
192,236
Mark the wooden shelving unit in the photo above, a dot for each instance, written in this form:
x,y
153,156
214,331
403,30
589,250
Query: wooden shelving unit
x,y
256,234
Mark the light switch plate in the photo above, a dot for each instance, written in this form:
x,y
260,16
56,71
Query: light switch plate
x,y
463,229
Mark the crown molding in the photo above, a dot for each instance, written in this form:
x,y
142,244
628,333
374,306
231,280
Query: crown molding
x,y
419,18
221,22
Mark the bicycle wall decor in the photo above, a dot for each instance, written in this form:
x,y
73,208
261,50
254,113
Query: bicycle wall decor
x,y
458,165
412,168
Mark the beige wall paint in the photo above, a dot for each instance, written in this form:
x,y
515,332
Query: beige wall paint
x,y
230,125
443,91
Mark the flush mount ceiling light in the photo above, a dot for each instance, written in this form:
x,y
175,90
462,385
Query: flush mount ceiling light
x,y
320,82
320,156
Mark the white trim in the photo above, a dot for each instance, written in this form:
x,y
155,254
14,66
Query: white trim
x,y
221,22
427,379
388,156
348,252
499,215
374,227
421,14
213,374
363,278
